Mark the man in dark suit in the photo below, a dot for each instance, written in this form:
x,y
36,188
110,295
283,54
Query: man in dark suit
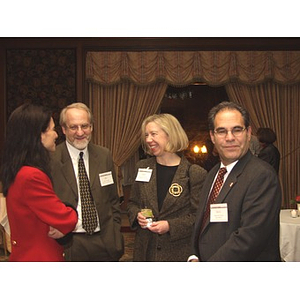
x,y
105,242
243,224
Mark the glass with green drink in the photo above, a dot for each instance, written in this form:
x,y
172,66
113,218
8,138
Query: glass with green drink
x,y
147,213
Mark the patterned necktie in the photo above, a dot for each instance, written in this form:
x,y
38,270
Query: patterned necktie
x,y
88,209
213,194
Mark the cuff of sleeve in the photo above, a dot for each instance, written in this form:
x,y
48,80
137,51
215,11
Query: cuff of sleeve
x,y
192,257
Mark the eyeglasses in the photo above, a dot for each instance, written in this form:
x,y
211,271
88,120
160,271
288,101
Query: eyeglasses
x,y
235,131
75,128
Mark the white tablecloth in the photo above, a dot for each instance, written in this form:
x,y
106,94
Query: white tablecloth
x,y
289,236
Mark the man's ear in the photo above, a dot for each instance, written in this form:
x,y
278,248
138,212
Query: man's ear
x,y
212,136
249,132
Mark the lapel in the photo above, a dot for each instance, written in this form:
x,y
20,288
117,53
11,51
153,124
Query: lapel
x,y
94,161
179,177
207,186
231,180
67,169
151,188
204,195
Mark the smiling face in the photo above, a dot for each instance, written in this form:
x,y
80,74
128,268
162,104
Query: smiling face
x,y
49,137
156,139
230,147
78,128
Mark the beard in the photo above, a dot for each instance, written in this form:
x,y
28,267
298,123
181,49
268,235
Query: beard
x,y
80,144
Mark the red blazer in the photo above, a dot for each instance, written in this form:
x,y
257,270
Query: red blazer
x,y
32,206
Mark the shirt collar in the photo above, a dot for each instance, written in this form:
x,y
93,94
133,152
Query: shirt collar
x,y
229,167
74,152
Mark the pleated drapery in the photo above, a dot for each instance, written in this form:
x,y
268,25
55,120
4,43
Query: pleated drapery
x,y
265,82
179,68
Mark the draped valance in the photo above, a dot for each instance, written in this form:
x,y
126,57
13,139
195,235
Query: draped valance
x,y
182,68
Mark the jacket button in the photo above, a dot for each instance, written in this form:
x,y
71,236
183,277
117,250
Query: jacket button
x,y
14,243
158,247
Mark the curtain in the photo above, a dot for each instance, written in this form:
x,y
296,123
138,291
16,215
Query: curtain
x,y
265,82
179,68
276,106
118,114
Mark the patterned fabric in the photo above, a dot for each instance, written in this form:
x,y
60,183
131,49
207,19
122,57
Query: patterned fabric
x,y
41,76
89,214
182,67
213,194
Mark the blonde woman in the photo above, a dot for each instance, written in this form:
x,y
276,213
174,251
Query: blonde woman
x,y
170,186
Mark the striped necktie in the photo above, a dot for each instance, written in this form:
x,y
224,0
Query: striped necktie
x,y
213,194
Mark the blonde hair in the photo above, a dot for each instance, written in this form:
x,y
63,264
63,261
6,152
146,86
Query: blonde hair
x,y
78,105
178,140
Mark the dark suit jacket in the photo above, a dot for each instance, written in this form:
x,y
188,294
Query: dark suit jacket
x,y
271,155
178,211
106,198
253,195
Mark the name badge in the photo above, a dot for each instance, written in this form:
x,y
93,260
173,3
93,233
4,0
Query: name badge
x,y
106,178
144,175
219,212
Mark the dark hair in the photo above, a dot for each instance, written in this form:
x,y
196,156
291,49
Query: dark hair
x,y
227,106
266,135
23,145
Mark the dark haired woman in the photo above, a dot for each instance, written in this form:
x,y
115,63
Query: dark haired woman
x,y
37,217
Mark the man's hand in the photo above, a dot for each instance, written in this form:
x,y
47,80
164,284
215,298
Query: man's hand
x,y
54,233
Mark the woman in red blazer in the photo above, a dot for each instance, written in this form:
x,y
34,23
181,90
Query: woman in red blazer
x,y
38,219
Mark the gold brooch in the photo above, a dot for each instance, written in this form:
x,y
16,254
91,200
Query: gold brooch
x,y
175,189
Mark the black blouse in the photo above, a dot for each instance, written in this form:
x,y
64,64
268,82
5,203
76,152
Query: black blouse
x,y
164,175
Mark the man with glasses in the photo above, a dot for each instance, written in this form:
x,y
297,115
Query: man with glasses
x,y
238,214
83,176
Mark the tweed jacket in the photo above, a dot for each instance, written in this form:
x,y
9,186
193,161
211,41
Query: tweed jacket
x,y
253,196
33,207
178,211
106,198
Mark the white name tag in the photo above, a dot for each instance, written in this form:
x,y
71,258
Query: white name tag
x,y
106,178
219,212
144,175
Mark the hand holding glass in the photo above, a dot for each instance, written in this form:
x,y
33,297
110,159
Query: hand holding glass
x,y
147,216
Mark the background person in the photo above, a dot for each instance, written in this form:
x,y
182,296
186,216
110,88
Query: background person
x,y
36,215
170,188
268,152
246,228
254,146
105,242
